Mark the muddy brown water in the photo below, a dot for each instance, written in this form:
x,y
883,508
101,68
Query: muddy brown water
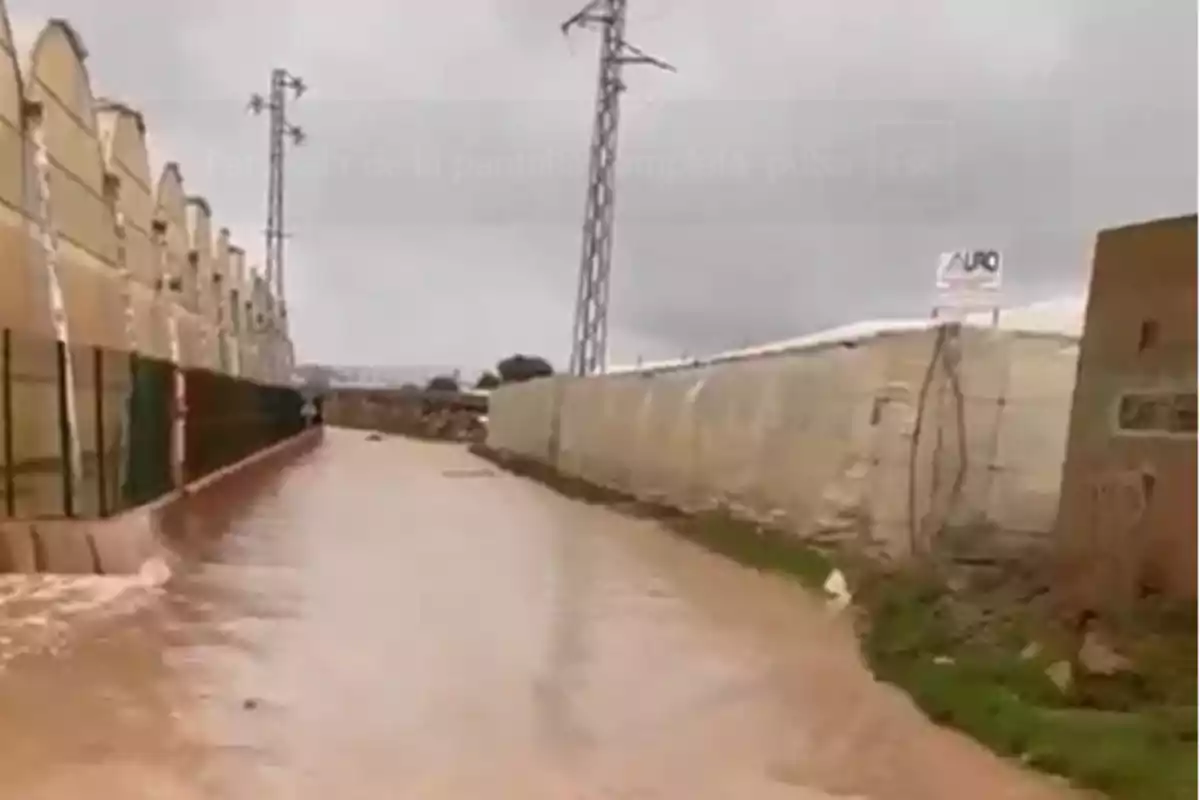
x,y
396,619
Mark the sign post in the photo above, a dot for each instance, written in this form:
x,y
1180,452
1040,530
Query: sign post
x,y
969,280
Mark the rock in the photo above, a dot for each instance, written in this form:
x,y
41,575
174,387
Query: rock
x,y
1098,658
838,591
943,661
1060,674
1031,651
249,704
957,584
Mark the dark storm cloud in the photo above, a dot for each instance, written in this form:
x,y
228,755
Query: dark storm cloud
x,y
804,168
899,166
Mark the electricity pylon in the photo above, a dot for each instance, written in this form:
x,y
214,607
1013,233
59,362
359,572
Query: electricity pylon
x,y
282,131
589,345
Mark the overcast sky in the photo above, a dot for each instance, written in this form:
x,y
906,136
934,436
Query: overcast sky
x,y
804,168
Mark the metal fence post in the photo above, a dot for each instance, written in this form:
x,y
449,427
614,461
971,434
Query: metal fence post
x,y
129,470
6,408
64,430
554,442
101,450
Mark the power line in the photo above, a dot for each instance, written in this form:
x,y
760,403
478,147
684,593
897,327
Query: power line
x,y
589,346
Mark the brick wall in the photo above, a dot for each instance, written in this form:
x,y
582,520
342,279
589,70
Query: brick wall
x,y
1128,508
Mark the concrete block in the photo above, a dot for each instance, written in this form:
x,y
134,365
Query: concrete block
x,y
122,544
16,547
66,547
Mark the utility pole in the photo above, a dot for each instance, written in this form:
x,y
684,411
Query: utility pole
x,y
282,131
589,345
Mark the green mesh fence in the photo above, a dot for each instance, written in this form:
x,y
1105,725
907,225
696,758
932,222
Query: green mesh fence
x,y
87,432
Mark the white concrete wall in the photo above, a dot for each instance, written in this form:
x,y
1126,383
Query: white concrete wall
x,y
824,439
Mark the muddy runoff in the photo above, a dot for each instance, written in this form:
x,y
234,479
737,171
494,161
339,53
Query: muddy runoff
x,y
394,618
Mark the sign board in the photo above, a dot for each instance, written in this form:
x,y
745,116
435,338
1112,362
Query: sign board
x,y
970,271
968,281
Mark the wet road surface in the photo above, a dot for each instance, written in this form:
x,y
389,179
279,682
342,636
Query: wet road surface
x,y
397,620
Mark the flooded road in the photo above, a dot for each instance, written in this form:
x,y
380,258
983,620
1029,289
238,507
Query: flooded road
x,y
396,619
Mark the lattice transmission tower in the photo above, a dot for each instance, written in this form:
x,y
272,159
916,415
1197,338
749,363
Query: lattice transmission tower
x,y
282,131
589,345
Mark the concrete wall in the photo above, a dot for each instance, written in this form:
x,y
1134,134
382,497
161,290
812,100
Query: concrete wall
x,y
1129,490
842,439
